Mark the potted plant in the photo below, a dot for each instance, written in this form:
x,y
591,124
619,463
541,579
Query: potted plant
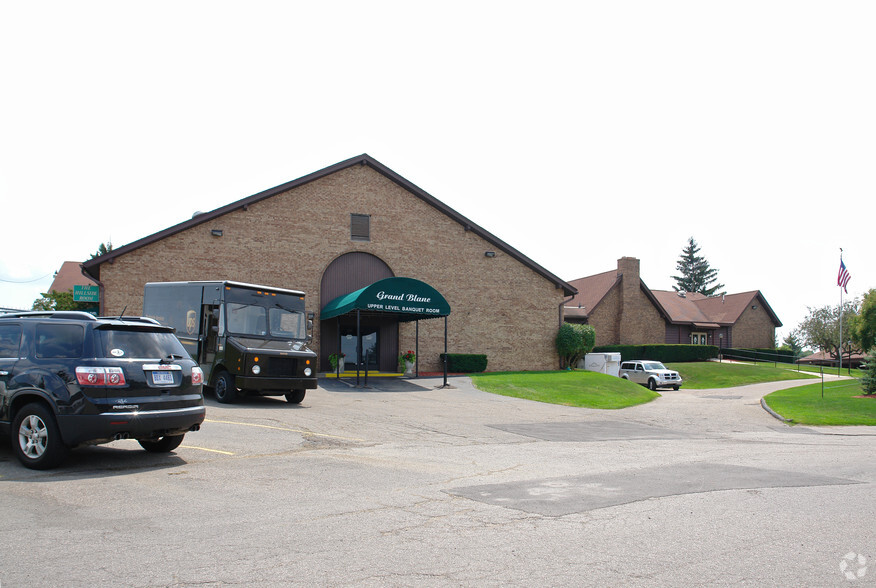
x,y
337,360
406,361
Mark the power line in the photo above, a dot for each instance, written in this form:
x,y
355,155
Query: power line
x,y
26,281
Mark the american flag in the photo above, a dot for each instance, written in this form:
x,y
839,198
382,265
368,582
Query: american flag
x,y
842,279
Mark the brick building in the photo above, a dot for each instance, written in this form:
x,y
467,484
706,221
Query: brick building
x,y
345,227
623,310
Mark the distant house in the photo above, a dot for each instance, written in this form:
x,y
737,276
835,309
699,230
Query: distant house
x,y
70,275
623,310
826,359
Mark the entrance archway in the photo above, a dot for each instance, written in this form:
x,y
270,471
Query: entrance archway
x,y
348,273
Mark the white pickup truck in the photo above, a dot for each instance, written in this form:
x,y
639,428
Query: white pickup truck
x,y
650,373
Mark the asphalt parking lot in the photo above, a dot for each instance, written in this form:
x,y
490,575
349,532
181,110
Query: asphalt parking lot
x,y
407,484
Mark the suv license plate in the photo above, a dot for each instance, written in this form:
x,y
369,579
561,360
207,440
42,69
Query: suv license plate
x,y
162,378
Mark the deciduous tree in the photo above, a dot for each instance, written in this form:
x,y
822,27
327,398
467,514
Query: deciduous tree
x,y
863,327
821,328
55,300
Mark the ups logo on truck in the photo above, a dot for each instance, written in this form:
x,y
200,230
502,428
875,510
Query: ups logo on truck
x,y
191,322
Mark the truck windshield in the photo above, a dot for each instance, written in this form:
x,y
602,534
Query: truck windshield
x,y
259,321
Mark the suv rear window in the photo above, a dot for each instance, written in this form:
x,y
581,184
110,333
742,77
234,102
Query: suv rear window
x,y
10,338
139,343
57,341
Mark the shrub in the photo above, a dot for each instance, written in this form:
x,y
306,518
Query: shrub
x,y
574,341
662,353
868,382
465,363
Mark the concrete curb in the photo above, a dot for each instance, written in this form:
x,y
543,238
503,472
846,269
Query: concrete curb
x,y
772,412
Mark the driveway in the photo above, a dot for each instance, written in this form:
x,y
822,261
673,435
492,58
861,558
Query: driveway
x,y
407,484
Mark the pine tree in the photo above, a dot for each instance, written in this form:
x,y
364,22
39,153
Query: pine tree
x,y
696,275
102,250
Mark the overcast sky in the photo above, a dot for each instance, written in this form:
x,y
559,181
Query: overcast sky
x,y
578,132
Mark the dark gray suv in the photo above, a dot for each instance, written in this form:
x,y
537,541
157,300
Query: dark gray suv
x,y
69,379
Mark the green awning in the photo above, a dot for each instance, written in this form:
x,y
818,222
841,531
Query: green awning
x,y
407,298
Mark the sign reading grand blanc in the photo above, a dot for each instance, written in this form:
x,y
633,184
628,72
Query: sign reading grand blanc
x,y
402,298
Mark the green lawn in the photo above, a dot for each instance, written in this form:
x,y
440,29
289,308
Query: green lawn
x,y
575,388
804,404
712,374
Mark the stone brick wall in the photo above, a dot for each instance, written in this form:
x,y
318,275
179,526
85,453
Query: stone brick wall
x,y
754,328
605,318
499,306
641,322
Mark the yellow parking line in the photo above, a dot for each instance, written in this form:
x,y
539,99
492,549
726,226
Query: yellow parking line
x,y
283,429
205,449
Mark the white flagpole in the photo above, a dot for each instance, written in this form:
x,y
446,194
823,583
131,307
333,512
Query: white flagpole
x,y
840,369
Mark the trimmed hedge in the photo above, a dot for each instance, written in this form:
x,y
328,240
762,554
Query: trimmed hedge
x,y
465,363
662,353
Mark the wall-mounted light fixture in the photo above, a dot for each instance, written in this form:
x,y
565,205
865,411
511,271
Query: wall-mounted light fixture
x,y
754,307
216,232
490,254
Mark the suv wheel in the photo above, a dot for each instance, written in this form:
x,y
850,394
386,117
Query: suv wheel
x,y
163,445
225,389
295,396
35,438
652,384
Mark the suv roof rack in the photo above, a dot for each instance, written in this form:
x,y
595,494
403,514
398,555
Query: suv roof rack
x,y
60,314
130,319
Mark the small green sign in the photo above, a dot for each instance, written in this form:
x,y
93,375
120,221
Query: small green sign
x,y
86,294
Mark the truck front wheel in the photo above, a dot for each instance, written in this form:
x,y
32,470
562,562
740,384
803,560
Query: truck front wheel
x,y
224,388
295,396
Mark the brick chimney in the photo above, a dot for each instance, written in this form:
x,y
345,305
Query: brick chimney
x,y
631,301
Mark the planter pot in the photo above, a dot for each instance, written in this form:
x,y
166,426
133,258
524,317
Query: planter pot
x,y
409,368
341,364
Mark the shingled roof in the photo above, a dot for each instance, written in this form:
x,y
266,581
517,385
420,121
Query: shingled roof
x,y
68,276
591,291
707,312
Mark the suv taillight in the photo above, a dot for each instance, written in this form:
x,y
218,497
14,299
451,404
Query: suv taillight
x,y
100,376
197,376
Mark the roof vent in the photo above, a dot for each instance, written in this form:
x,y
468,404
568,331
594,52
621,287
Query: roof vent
x,y
681,293
197,213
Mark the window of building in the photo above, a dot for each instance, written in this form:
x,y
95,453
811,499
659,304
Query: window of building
x,y
360,227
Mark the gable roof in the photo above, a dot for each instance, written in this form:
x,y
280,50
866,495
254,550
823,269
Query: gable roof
x,y
68,276
707,312
591,291
711,311
93,265
683,309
